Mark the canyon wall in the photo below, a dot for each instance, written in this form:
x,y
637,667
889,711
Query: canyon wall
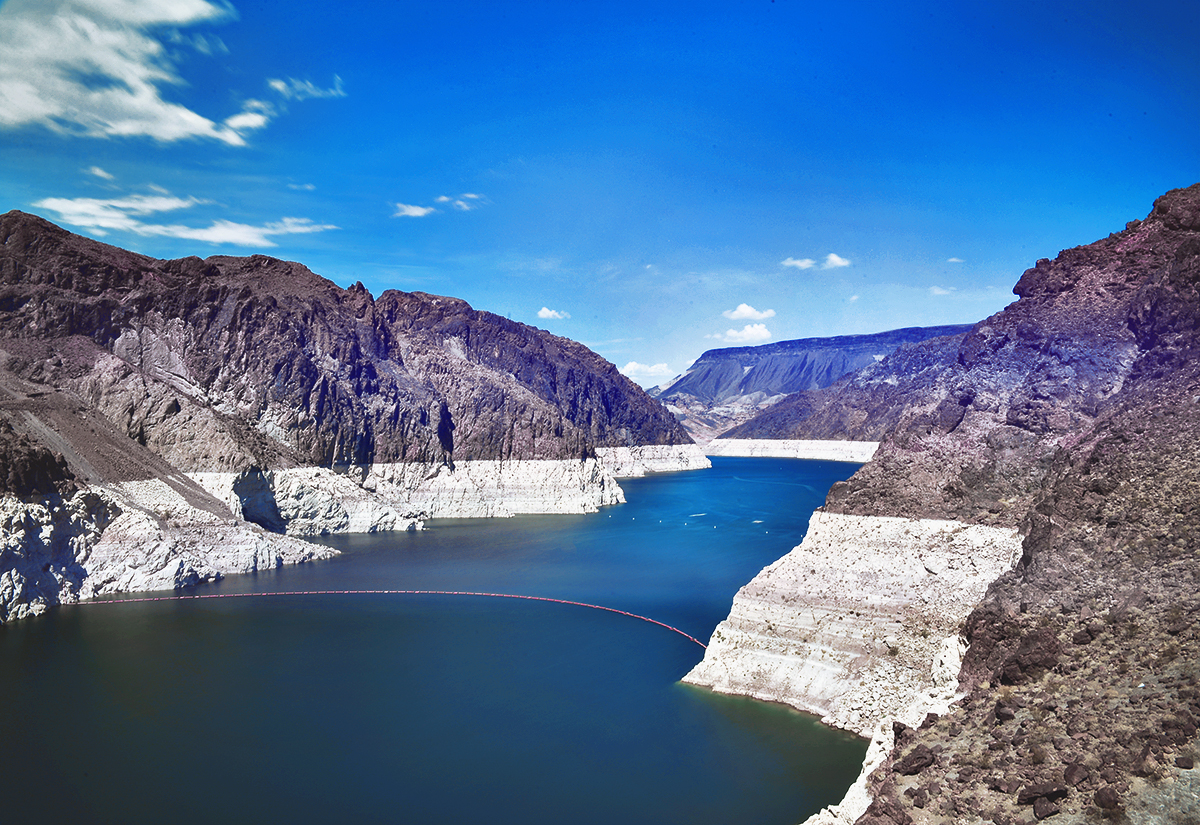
x,y
1060,433
166,422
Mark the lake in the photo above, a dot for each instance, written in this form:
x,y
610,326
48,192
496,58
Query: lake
x,y
436,708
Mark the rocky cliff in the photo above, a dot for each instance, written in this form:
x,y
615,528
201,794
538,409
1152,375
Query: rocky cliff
x,y
1070,417
725,387
253,395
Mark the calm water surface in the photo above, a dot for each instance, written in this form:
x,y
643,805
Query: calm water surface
x,y
436,709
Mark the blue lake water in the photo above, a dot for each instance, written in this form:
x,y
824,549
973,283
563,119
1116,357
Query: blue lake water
x,y
431,708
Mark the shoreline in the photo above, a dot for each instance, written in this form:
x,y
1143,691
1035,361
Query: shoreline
x,y
859,625
857,452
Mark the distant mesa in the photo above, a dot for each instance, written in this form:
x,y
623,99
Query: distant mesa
x,y
727,387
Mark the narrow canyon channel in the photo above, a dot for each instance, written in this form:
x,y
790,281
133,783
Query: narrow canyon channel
x,y
434,708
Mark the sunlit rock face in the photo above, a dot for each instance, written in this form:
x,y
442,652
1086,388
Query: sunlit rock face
x,y
237,401
1064,427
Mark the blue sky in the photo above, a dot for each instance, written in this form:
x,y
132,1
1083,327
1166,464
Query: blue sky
x,y
653,179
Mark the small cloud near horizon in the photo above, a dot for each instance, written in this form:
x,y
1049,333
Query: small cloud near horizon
x,y
635,370
955,261
939,290
749,334
802,263
747,311
546,312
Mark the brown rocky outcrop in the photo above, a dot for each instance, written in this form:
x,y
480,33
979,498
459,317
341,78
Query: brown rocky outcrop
x,y
1080,420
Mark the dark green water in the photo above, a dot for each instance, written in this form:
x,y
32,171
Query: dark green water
x,y
436,709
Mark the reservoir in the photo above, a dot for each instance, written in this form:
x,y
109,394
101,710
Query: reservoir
x,y
432,708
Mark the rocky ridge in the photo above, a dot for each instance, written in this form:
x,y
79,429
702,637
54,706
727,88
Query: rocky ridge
x,y
251,397
1071,416
728,386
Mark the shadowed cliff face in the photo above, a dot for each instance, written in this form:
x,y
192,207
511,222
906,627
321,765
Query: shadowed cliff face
x,y
1074,413
231,363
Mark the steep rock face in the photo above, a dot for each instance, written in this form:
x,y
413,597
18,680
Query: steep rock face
x,y
728,386
234,347
212,405
1073,416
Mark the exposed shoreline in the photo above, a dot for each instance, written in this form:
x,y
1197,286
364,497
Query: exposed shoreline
x,y
858,452
183,529
859,625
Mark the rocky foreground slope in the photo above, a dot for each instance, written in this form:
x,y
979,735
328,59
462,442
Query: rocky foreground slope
x,y
727,386
1065,428
151,411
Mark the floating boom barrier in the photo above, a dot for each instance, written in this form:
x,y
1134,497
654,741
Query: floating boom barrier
x,y
176,598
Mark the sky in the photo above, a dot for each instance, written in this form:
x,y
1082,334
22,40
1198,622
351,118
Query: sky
x,y
652,179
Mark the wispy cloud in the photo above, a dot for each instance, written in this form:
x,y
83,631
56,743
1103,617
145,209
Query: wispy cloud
x,y
546,312
100,173
749,334
940,290
853,298
293,89
464,202
635,370
405,210
747,311
303,187
125,215
955,261
96,68
802,263
833,261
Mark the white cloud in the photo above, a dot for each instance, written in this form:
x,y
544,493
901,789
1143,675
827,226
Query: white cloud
x,y
749,334
293,89
546,312
303,187
747,311
803,263
955,261
833,261
96,68
91,67
635,370
464,203
938,290
404,210
100,173
123,214
853,298
255,114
